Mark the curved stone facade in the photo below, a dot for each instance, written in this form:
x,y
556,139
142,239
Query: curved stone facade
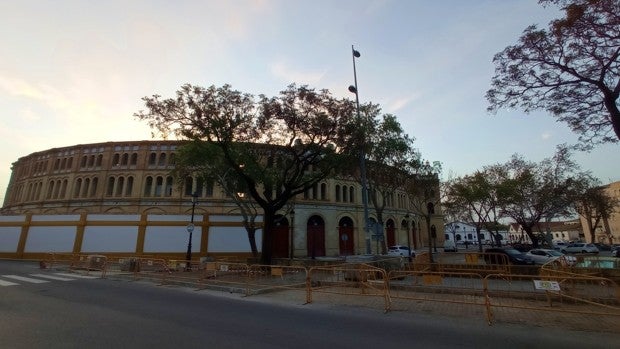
x,y
120,178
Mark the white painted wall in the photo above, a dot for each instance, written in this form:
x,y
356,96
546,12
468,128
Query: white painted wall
x,y
110,239
50,239
232,239
170,239
9,238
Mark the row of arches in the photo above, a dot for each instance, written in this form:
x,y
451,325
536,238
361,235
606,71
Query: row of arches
x,y
315,236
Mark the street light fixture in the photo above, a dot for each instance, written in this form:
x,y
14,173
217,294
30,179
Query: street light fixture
x,y
362,155
408,238
190,230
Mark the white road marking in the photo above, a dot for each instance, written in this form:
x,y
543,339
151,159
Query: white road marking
x,y
26,279
51,277
7,283
77,276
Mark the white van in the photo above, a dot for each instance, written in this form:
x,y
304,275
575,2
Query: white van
x,y
449,246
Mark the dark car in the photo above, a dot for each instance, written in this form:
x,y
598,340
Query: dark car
x,y
492,256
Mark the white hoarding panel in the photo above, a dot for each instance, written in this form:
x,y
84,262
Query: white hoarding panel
x,y
110,239
56,218
50,239
9,238
232,239
170,239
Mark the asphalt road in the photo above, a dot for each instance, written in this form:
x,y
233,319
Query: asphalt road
x,y
70,312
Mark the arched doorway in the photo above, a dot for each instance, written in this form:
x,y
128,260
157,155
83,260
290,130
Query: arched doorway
x,y
280,244
390,233
345,237
315,236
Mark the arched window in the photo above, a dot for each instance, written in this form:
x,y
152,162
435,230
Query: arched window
x,y
110,189
351,194
209,188
50,189
162,159
168,189
91,161
323,191
152,159
345,194
148,186
99,160
63,164
431,208
125,159
93,187
83,162
70,163
63,189
86,188
159,184
76,189
56,164
189,186
120,186
337,193
117,160
134,159
173,160
129,187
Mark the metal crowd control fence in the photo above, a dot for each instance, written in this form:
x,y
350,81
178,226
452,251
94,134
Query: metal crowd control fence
x,y
474,262
150,268
228,275
349,280
76,262
275,277
523,298
459,292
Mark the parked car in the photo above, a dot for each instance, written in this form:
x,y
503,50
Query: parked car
x,y
559,245
602,247
615,251
542,256
514,256
398,250
580,247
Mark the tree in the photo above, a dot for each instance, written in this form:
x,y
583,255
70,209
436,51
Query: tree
x,y
191,161
390,156
473,198
528,192
594,204
571,70
425,197
277,147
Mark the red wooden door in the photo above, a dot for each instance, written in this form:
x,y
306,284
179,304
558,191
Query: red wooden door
x,y
315,237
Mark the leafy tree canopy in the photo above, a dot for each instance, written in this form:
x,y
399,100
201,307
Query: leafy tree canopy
x,y
571,70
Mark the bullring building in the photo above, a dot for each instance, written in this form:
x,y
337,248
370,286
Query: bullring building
x,y
119,198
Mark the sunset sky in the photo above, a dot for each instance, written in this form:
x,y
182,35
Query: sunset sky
x,y
74,72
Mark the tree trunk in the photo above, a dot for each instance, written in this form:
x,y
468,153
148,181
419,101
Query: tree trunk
x,y
267,245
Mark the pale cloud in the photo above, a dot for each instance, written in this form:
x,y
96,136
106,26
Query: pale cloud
x,y
289,75
545,136
399,103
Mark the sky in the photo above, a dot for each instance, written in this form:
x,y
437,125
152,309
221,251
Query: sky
x,y
75,72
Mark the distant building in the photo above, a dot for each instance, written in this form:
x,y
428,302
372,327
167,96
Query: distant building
x,y
564,231
463,233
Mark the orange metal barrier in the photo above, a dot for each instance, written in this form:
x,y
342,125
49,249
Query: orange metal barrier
x,y
595,299
224,274
275,277
83,262
351,281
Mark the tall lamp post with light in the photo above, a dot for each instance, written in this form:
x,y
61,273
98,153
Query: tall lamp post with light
x,y
190,230
362,155
408,235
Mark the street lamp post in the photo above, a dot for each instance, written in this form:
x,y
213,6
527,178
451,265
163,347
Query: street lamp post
x,y
362,155
408,237
190,230
292,236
